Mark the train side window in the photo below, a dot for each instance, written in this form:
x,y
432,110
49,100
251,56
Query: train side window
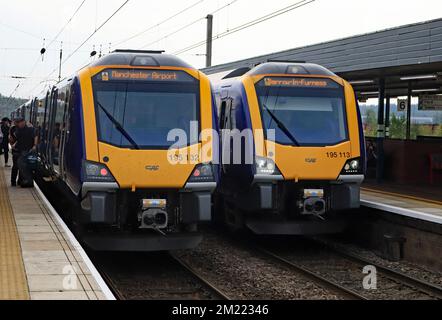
x,y
222,117
229,122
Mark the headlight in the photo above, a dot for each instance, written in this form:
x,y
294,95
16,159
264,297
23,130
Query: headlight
x,y
266,166
97,172
203,173
352,167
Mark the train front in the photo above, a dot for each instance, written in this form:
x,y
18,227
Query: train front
x,y
311,164
146,184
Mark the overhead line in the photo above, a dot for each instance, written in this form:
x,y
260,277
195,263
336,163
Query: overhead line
x,y
90,36
172,33
35,65
248,25
188,25
96,30
160,23
67,23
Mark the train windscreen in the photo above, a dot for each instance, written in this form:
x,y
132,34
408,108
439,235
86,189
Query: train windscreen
x,y
141,114
303,112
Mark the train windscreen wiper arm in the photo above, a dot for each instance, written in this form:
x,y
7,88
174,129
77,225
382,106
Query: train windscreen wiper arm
x,y
119,127
282,126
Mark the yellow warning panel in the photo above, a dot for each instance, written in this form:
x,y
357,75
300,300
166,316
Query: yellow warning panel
x,y
13,283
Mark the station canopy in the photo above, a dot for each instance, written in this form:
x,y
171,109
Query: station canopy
x,y
407,58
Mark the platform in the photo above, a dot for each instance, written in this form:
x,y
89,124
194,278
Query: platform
x,y
39,258
408,204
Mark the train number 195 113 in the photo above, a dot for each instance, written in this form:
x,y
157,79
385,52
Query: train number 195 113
x,y
334,155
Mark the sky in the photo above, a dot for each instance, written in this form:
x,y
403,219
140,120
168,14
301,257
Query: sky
x,y
24,24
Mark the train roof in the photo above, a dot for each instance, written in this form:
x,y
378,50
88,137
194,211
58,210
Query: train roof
x,y
139,58
282,67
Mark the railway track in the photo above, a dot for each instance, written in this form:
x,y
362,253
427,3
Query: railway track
x,y
342,271
340,290
430,289
222,295
164,277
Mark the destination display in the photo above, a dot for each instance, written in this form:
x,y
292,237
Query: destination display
x,y
298,82
143,75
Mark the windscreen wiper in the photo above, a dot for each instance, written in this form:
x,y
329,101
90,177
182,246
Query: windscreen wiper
x,y
119,127
282,126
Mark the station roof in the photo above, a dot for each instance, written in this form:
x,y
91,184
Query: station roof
x,y
400,55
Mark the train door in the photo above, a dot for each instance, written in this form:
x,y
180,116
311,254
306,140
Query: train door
x,y
51,129
64,132
43,137
226,126
57,135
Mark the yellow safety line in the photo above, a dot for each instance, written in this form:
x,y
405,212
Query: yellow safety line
x,y
13,283
402,196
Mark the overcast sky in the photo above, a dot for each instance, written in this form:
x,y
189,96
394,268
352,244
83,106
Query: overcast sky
x,y
25,23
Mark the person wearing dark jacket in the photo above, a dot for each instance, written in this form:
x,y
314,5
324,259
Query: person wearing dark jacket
x,y
4,146
23,140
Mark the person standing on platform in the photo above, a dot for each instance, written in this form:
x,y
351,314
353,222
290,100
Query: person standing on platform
x,y
4,146
24,140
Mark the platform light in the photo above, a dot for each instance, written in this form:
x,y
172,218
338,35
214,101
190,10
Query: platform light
x,y
359,82
421,77
370,93
425,90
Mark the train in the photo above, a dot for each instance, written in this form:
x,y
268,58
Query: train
x,y
295,131
106,142
276,149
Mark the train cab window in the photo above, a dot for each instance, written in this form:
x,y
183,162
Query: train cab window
x,y
304,116
132,115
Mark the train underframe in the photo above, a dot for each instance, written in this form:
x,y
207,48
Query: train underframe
x,y
290,208
141,221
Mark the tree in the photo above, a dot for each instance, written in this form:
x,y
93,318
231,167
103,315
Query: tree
x,y
398,127
7,105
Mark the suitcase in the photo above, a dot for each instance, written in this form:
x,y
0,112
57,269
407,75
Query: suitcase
x,y
26,175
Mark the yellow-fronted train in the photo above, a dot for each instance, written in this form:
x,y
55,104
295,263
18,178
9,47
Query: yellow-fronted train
x,y
106,142
305,157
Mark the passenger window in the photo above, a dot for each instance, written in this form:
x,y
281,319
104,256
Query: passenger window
x,y
230,121
222,118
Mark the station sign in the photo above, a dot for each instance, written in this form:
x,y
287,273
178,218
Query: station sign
x,y
430,102
138,75
298,82
402,105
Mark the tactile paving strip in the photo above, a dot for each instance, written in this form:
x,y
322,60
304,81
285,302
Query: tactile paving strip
x,y
13,283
